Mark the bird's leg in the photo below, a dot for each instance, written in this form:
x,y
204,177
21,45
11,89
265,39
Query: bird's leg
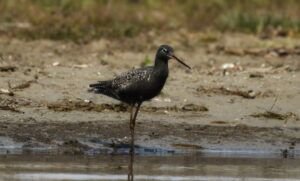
x,y
132,125
135,114
131,116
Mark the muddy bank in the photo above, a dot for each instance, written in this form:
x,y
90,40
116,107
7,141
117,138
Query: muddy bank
x,y
229,101
156,134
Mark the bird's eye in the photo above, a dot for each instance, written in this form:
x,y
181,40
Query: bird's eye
x,y
164,50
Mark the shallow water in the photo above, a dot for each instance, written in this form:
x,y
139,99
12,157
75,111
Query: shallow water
x,y
174,167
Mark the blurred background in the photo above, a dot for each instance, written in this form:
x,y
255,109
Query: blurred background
x,y
84,20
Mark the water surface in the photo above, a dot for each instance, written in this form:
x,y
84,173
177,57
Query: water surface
x,y
36,167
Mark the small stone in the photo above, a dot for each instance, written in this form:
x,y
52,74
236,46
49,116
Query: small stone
x,y
55,64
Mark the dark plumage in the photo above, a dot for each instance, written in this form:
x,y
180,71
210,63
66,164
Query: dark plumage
x,y
139,85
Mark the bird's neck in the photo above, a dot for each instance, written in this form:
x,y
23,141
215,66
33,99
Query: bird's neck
x,y
161,68
161,63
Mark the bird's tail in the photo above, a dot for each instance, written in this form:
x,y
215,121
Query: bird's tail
x,y
100,87
104,87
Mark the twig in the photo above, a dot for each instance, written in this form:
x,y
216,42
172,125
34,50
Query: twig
x,y
275,101
8,68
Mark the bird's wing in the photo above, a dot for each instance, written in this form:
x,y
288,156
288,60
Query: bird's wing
x,y
129,78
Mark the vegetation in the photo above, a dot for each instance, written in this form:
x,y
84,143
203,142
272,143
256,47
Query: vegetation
x,y
83,20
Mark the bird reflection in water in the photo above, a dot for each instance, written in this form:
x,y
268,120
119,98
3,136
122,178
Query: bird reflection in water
x,y
130,165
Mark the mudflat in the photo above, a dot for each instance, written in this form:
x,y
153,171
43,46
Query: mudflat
x,y
242,94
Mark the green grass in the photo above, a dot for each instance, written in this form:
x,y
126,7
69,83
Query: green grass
x,y
85,20
247,22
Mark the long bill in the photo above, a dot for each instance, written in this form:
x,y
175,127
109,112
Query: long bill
x,y
180,61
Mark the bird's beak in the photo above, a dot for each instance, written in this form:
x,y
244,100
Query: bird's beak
x,y
180,61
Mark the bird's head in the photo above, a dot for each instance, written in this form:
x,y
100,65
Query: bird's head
x,y
166,52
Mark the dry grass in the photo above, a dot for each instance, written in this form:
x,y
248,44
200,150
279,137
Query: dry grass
x,y
83,20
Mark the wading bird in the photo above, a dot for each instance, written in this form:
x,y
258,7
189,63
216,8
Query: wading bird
x,y
139,85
